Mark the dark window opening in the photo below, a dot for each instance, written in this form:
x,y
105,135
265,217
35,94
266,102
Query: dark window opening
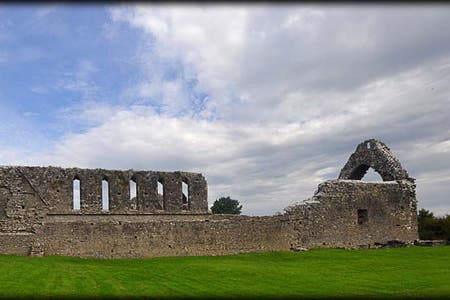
x,y
362,216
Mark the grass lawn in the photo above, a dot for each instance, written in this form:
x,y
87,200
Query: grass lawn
x,y
411,272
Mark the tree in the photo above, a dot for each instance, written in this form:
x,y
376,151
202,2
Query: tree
x,y
226,205
427,225
432,228
423,213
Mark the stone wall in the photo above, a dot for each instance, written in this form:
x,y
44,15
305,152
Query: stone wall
x,y
350,213
374,154
53,187
37,215
148,236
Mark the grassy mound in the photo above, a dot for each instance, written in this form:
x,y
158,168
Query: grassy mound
x,y
411,272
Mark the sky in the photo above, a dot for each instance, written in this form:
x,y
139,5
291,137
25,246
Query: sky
x,y
266,101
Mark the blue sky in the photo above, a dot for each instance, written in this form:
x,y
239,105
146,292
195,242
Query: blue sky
x,y
266,101
48,64
55,58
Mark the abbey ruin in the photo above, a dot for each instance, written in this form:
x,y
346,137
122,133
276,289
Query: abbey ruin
x,y
110,214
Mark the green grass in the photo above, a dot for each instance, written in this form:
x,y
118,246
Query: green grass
x,y
399,272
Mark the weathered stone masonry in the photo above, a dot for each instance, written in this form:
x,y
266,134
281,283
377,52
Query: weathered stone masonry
x,y
37,215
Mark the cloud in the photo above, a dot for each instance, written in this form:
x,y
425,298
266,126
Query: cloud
x,y
269,166
290,92
268,55
235,159
268,101
80,80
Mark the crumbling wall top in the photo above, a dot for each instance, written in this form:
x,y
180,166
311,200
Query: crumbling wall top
x,y
101,191
374,154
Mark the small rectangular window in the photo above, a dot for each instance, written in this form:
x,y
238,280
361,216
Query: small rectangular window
x,y
362,216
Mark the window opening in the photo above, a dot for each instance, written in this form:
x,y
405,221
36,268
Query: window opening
x,y
160,188
185,194
76,193
105,194
133,188
362,216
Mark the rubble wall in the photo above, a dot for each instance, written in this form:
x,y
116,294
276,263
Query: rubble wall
x,y
150,236
355,214
38,216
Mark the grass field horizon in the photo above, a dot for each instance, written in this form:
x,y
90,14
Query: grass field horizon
x,y
422,272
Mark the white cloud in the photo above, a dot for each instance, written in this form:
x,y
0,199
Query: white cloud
x,y
291,91
80,80
252,59
269,166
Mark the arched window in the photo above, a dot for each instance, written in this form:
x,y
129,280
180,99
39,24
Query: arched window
x,y
133,188
372,175
105,194
76,187
185,194
365,173
160,187
160,192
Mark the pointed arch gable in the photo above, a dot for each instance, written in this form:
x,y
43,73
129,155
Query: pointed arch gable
x,y
373,154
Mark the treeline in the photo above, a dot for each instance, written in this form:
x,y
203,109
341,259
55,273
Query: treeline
x,y
433,228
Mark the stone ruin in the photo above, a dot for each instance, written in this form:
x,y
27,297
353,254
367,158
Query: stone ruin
x,y
111,214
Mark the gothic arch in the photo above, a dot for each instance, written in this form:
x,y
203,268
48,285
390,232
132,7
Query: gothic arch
x,y
373,154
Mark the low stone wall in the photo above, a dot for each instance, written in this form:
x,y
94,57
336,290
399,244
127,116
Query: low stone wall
x,y
17,243
118,236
